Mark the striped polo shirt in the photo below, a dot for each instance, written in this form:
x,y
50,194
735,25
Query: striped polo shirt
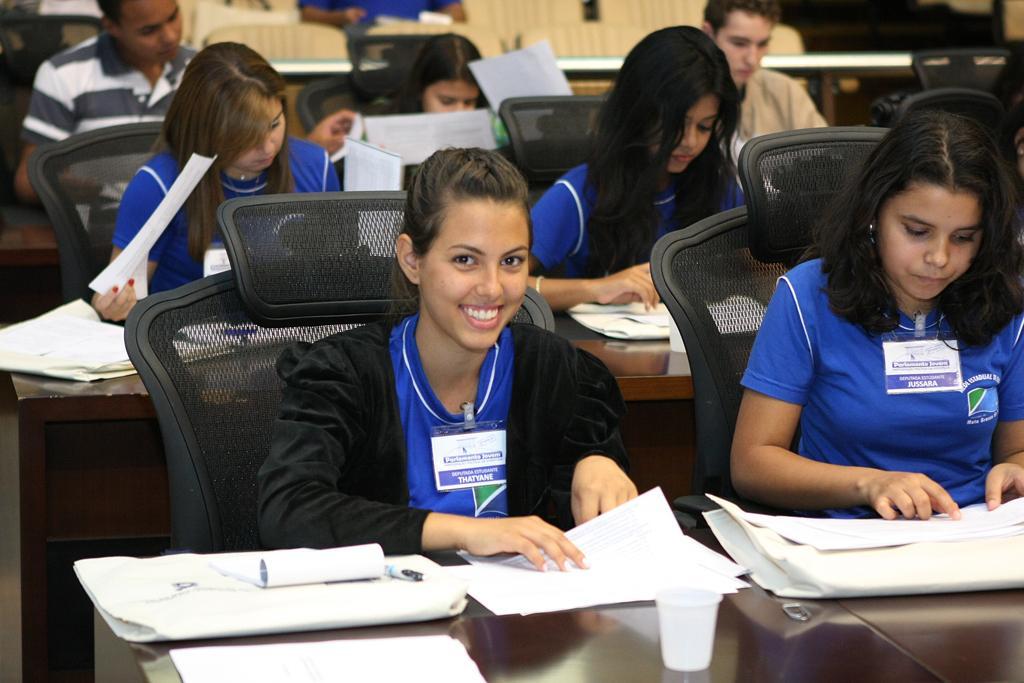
x,y
88,87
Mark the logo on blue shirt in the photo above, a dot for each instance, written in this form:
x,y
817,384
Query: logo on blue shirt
x,y
982,402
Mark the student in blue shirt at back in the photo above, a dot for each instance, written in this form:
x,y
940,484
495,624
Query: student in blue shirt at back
x,y
658,162
230,104
898,350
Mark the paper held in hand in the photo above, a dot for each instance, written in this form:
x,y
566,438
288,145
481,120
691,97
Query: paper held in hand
x,y
131,262
530,72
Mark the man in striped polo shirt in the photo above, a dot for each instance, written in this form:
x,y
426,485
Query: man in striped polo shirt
x,y
128,73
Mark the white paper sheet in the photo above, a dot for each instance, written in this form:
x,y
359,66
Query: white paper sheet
x,y
624,321
299,566
131,262
416,136
632,551
180,597
530,72
976,522
425,659
68,342
370,168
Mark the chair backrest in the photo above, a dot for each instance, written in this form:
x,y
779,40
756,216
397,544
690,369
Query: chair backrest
x,y
208,16
585,40
979,68
486,39
287,41
323,96
716,292
380,63
983,107
1009,21
652,14
510,19
550,135
27,40
207,357
786,40
80,181
790,177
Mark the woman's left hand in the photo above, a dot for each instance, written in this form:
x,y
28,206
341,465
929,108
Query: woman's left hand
x,y
330,132
598,485
1004,477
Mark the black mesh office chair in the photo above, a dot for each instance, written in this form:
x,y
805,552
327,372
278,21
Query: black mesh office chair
x,y
324,96
717,276
80,181
983,107
549,135
381,62
207,351
789,178
979,68
27,40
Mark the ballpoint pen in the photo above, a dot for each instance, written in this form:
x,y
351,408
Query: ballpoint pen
x,y
403,574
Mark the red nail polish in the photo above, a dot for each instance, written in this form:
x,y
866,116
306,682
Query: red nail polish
x,y
131,283
114,290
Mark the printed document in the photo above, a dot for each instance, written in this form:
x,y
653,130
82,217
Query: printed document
x,y
131,263
416,136
624,321
425,659
976,522
370,168
68,342
632,551
530,72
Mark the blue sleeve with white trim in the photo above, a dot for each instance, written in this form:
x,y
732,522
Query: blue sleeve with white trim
x,y
781,364
1011,386
556,226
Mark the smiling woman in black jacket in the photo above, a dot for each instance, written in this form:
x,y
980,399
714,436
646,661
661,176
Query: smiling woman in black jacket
x,y
448,429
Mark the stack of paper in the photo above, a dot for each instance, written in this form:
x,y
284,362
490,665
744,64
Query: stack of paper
x,y
180,597
425,659
624,321
68,342
632,552
816,558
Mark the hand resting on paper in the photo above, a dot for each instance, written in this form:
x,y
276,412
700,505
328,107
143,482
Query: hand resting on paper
x,y
598,485
906,494
530,536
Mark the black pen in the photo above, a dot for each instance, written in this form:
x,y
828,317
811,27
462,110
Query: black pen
x,y
403,574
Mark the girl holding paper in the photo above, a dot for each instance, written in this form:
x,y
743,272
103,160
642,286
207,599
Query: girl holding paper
x,y
449,428
658,162
898,349
230,104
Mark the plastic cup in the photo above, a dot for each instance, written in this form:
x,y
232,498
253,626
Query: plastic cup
x,y
687,619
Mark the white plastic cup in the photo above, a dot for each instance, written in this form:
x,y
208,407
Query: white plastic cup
x,y
687,618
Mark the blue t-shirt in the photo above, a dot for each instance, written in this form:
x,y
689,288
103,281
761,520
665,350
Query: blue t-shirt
x,y
311,169
408,9
421,411
561,218
806,355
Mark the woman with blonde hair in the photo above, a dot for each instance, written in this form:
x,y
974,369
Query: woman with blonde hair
x,y
230,105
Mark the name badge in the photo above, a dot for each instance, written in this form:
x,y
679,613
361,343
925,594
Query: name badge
x,y
215,261
466,459
922,366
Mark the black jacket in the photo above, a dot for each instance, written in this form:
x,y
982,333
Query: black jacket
x,y
336,473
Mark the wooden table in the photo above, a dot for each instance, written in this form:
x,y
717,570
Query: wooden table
x,y
82,474
754,641
29,269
